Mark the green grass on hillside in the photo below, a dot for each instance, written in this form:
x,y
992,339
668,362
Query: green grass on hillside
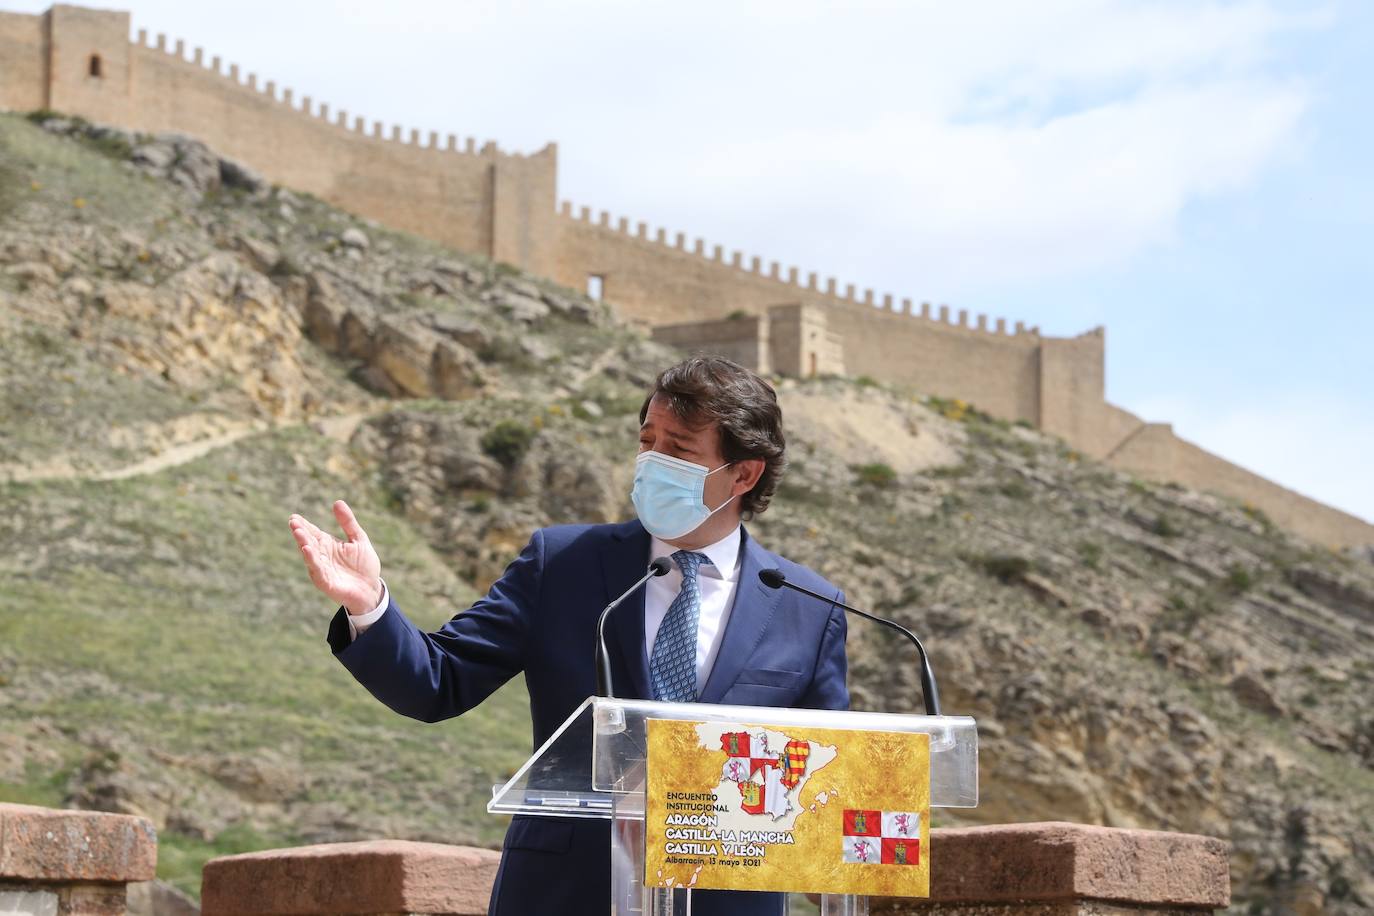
x,y
194,632
56,401
71,182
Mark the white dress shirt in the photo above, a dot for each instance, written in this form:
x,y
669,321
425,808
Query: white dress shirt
x,y
716,582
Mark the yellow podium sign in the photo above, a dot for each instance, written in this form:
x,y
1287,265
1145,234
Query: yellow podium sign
x,y
787,808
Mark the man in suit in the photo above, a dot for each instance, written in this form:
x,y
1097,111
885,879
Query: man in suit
x,y
711,451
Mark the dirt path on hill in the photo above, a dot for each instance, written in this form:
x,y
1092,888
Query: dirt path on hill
x,y
63,468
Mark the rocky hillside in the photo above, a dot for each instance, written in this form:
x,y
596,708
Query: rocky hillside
x,y
190,355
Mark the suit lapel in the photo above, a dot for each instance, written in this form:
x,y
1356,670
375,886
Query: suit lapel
x,y
749,618
624,561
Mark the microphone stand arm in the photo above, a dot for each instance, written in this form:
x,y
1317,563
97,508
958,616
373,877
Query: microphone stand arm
x,y
929,692
604,684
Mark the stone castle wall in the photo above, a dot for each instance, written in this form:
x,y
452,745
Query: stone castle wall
x,y
472,198
687,291
658,279
504,206
23,41
1154,451
790,339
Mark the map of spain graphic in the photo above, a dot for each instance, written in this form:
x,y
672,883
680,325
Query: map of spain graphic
x,y
763,774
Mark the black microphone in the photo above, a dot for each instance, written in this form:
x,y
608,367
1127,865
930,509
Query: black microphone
x,y
659,567
773,578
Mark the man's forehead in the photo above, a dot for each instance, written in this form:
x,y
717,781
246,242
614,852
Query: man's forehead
x,y
661,413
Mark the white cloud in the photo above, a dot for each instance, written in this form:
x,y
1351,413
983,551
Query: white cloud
x,y
968,205
968,148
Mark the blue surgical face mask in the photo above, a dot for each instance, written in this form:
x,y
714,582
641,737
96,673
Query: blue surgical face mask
x,y
668,495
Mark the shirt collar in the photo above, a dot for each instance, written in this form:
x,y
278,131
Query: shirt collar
x,y
723,554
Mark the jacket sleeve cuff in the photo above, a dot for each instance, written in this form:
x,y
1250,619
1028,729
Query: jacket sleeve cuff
x,y
357,625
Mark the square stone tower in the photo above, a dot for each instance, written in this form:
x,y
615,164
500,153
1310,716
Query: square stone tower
x,y
88,63
801,343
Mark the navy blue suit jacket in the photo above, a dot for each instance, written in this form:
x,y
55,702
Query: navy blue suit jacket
x,y
779,648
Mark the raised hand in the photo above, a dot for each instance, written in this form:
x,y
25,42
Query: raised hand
x,y
347,571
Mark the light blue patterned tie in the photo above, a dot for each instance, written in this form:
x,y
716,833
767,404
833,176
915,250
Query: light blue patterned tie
x,y
673,666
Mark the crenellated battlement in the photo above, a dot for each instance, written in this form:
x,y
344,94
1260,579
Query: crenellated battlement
x,y
464,192
790,281
307,107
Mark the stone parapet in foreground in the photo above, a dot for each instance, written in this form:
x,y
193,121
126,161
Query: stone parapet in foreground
x,y
1012,870
379,877
71,863
1061,868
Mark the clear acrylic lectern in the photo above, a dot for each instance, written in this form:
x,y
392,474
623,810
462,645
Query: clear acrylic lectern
x,y
594,767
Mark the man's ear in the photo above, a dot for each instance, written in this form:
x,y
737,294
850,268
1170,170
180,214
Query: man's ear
x,y
747,474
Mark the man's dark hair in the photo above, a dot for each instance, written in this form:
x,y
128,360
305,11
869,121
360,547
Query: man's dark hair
x,y
709,389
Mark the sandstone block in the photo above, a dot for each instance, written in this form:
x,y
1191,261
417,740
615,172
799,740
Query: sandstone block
x,y
456,373
324,313
92,900
44,844
376,876
404,351
356,330
1062,863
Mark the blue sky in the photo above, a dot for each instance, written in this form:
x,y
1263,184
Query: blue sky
x,y
1196,176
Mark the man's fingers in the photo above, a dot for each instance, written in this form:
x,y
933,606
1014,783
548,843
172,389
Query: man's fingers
x,y
313,566
301,525
302,536
352,530
311,556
